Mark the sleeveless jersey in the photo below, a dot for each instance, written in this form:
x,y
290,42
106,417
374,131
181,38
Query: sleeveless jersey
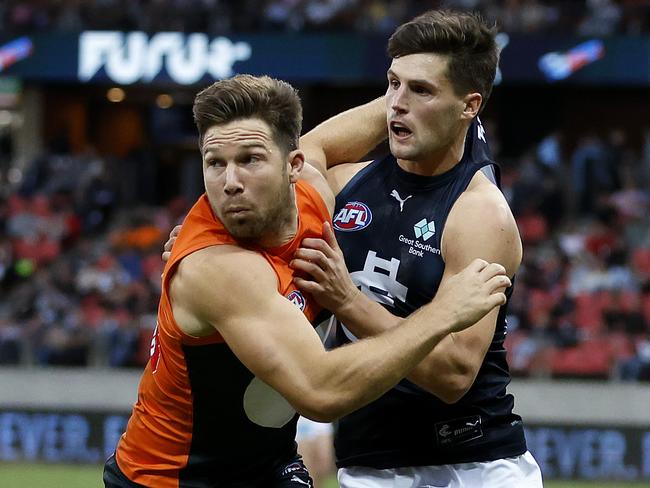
x,y
190,426
389,224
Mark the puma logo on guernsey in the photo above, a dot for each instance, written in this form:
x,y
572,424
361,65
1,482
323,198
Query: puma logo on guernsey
x,y
399,199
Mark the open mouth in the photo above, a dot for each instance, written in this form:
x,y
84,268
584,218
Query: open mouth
x,y
400,130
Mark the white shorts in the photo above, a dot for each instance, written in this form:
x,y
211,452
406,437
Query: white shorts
x,y
309,429
516,472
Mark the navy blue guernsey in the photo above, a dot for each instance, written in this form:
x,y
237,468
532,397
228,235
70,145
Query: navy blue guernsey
x,y
389,224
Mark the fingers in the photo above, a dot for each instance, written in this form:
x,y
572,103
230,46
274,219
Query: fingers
x,y
498,283
307,286
496,287
477,265
497,299
320,245
166,255
328,245
311,255
311,262
491,270
329,236
170,242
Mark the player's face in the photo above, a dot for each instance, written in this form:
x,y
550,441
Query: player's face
x,y
248,179
422,110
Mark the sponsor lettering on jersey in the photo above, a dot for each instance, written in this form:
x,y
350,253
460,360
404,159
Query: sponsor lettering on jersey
x,y
297,299
352,217
423,231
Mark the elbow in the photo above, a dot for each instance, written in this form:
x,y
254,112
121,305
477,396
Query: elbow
x,y
319,415
320,408
455,388
451,396
449,387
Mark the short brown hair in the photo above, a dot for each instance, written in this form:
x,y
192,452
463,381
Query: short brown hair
x,y
463,36
274,101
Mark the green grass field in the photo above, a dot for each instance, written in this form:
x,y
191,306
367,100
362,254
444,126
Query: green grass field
x,y
62,476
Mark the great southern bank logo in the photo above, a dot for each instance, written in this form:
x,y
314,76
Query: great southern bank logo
x,y
424,229
354,216
297,299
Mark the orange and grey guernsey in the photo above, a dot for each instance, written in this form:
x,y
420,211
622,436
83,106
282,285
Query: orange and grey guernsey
x,y
188,426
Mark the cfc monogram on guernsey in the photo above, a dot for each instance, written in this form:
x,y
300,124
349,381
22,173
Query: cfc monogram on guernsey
x,y
394,257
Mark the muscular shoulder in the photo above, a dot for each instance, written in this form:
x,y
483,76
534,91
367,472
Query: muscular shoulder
x,y
481,224
217,280
316,179
340,175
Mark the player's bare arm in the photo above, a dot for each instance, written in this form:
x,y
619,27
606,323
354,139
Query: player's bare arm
x,y
480,225
328,144
276,342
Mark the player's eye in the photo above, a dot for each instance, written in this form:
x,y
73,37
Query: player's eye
x,y
420,90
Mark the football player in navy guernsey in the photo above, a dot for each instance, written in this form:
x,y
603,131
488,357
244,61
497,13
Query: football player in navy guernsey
x,y
403,224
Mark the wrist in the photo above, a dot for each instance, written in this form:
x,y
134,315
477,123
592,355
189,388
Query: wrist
x,y
346,307
447,318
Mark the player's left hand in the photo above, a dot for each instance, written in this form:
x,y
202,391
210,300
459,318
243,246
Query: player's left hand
x,y
322,259
167,249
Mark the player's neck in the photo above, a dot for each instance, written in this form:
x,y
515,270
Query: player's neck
x,y
287,226
436,163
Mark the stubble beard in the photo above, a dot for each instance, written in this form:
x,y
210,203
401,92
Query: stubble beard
x,y
268,223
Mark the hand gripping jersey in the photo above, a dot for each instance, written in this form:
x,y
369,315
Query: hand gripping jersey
x,y
389,224
202,419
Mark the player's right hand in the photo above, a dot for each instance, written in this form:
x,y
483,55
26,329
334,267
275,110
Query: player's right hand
x,y
329,282
167,249
473,292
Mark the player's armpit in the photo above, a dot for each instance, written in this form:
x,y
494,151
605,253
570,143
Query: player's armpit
x,y
340,175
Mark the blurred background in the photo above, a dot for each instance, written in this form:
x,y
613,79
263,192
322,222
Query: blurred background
x,y
99,160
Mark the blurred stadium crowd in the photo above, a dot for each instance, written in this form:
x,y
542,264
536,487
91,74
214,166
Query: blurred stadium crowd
x,y
583,17
581,305
80,252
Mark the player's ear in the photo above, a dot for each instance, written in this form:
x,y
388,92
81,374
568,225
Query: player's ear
x,y
295,163
472,102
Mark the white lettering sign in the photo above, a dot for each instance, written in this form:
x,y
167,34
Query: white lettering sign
x,y
128,58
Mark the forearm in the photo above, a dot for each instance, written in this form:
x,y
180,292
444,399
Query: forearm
x,y
439,372
346,137
364,317
356,374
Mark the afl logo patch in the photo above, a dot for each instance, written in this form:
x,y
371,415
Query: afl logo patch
x,y
354,216
297,299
